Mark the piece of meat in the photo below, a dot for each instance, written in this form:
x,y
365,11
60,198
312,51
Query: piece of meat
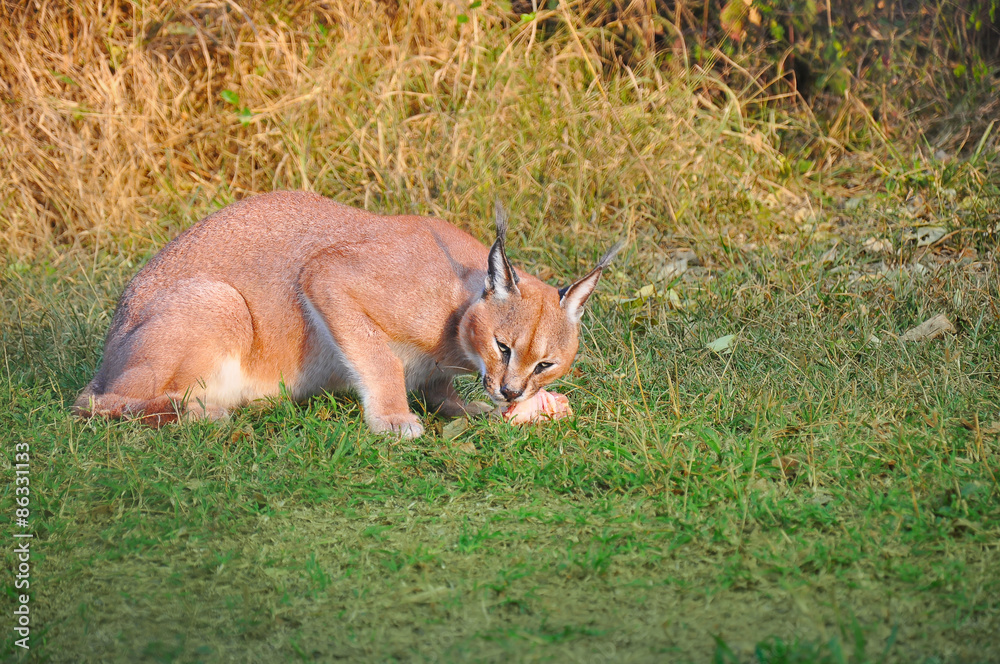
x,y
543,406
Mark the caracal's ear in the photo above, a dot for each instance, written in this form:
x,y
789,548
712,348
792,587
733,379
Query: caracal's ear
x,y
501,279
573,297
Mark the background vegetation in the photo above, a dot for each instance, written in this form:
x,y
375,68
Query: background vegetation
x,y
814,180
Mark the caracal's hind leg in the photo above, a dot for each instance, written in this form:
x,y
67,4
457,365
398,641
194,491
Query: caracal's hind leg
x,y
153,412
178,354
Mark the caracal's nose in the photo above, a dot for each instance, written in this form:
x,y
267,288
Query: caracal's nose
x,y
510,394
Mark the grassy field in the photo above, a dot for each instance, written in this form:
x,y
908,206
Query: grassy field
x,y
819,488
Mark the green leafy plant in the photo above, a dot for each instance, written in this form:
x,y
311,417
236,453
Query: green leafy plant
x,y
242,112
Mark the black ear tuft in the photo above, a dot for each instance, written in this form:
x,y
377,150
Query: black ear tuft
x,y
502,219
573,297
610,254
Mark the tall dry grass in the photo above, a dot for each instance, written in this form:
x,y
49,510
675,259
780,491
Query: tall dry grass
x,y
126,120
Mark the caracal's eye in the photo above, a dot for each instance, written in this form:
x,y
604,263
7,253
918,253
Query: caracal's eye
x,y
504,350
542,366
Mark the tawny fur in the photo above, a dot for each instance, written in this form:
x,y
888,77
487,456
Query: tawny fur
x,y
290,292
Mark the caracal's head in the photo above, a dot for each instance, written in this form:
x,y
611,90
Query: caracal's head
x,y
524,334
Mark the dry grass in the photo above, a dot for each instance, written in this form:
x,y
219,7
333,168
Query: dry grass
x,y
114,114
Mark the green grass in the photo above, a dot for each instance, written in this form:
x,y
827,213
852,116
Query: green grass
x,y
823,493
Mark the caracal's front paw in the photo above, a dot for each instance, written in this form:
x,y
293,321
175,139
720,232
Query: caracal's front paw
x,y
477,408
460,408
404,425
